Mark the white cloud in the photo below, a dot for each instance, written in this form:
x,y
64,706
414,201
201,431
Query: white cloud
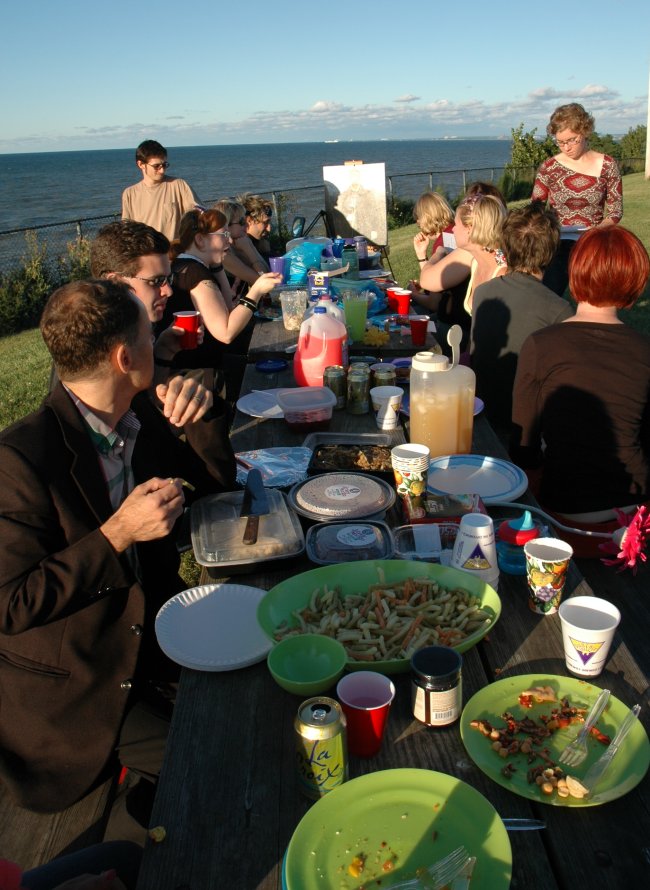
x,y
409,97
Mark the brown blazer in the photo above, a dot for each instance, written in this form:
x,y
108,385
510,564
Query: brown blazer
x,y
74,621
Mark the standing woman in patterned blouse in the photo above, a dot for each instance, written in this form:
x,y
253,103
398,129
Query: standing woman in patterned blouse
x,y
582,185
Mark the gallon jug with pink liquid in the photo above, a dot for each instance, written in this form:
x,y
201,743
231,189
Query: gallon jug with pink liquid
x,y
322,342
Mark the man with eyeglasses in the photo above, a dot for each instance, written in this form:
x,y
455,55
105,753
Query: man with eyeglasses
x,y
158,200
137,254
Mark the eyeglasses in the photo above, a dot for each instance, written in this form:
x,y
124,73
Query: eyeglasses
x,y
158,281
238,222
163,165
225,235
572,141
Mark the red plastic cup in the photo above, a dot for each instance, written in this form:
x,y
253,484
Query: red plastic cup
x,y
391,297
190,322
366,698
402,301
419,329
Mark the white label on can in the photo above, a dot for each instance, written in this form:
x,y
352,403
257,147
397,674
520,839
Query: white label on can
x,y
342,492
437,708
356,535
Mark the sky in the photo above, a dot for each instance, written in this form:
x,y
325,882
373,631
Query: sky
x,y
84,74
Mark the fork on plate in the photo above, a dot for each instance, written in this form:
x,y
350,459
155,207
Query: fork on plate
x,y
576,751
442,872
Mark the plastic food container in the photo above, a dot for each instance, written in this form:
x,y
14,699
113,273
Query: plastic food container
x,y
342,496
307,408
333,542
218,530
427,542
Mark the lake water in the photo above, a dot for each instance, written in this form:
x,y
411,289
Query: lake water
x,y
52,187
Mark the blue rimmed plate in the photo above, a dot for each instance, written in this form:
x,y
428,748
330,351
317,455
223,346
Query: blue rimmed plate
x,y
490,477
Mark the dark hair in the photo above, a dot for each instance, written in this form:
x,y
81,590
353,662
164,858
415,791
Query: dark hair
x,y
485,188
120,246
609,267
82,323
193,223
255,205
149,149
529,237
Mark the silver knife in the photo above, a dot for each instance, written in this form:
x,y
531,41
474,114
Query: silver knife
x,y
523,824
596,770
255,503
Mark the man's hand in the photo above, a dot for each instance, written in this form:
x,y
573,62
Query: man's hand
x,y
147,514
184,399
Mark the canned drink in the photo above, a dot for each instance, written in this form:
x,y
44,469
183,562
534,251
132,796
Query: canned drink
x,y
383,374
321,750
335,378
358,392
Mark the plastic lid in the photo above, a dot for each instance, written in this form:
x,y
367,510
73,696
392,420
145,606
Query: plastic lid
x,y
518,531
429,361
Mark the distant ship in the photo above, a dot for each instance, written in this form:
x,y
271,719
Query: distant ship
x,y
330,141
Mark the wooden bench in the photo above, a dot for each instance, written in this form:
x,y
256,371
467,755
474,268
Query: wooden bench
x,y
31,839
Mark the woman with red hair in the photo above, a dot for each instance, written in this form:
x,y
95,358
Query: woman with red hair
x,y
581,400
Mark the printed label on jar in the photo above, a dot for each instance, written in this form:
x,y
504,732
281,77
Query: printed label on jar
x,y
436,708
356,536
342,492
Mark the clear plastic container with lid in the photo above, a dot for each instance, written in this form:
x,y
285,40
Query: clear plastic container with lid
x,y
442,404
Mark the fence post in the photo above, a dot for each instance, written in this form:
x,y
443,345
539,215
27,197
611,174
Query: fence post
x,y
390,191
79,231
430,181
464,182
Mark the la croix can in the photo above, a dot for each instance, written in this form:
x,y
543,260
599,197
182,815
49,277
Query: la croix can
x,y
335,377
321,750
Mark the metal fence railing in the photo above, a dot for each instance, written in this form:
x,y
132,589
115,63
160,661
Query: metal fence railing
x,y
56,241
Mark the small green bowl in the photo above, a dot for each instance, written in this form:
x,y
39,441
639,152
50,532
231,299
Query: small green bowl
x,y
307,664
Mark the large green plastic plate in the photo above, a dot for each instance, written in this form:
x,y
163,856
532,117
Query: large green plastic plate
x,y
627,769
356,577
412,816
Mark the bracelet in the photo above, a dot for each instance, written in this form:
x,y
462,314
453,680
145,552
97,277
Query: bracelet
x,y
247,304
163,362
423,260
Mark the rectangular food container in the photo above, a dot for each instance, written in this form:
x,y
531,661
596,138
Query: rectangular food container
x,y
352,440
307,408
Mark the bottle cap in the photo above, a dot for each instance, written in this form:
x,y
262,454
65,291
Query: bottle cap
x,y
429,361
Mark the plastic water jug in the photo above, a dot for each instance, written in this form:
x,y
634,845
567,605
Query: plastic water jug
x,y
331,308
442,403
322,341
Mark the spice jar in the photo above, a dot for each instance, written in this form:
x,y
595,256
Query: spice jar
x,y
436,685
358,401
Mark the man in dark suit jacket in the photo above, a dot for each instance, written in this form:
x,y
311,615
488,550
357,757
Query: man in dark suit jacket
x,y
90,493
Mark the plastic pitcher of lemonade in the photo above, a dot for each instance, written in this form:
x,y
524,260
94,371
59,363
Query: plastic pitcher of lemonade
x,y
323,341
442,404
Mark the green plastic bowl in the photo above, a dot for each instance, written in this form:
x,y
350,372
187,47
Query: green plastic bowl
x,y
307,664
276,608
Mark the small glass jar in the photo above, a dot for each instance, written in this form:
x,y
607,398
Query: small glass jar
x,y
436,685
358,401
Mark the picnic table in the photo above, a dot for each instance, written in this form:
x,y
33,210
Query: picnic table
x,y
228,797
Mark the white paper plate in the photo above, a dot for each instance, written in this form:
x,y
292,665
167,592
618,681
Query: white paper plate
x,y
213,627
490,477
261,404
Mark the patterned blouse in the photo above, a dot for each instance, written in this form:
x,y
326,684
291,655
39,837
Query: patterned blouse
x,y
580,200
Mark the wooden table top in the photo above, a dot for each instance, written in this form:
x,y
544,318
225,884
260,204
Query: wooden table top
x,y
228,797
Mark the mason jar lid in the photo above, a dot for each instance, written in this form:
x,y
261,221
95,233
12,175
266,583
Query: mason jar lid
x,y
437,665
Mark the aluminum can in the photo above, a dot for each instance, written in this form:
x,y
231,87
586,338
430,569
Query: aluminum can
x,y
383,374
358,392
335,378
321,749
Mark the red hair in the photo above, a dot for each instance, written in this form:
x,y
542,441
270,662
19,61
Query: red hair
x,y
608,267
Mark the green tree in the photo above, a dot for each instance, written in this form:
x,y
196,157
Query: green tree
x,y
527,151
634,142
606,144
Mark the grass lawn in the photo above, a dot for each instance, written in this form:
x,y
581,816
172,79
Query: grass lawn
x,y
25,365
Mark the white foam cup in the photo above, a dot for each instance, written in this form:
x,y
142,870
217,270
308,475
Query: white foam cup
x,y
588,625
475,548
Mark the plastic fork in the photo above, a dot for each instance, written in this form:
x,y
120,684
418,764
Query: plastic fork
x,y
576,751
437,875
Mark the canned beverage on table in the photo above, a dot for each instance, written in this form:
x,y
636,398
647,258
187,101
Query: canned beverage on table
x,y
335,378
383,374
321,751
358,392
